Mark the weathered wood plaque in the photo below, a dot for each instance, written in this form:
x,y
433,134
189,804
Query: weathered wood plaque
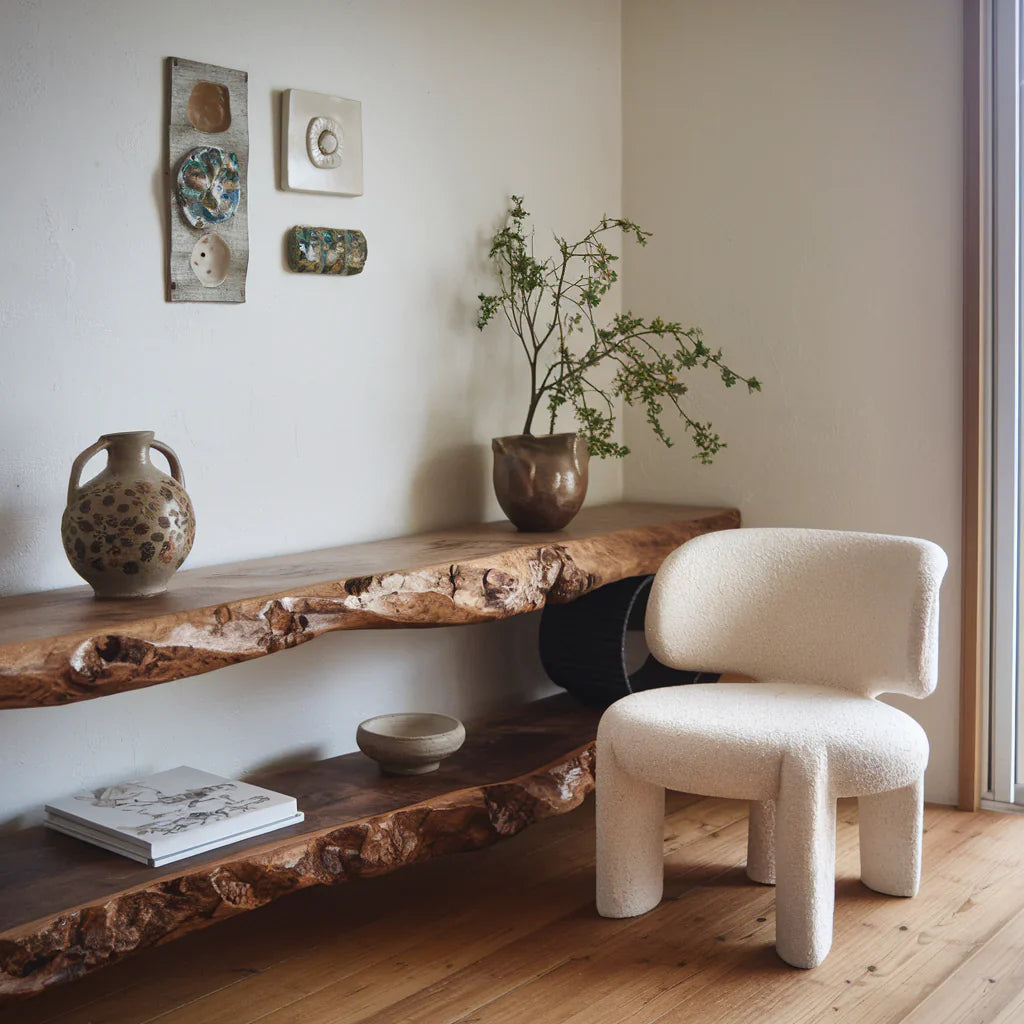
x,y
208,163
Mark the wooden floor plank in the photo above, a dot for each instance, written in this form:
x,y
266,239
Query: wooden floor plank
x,y
439,949
570,944
868,976
985,987
510,936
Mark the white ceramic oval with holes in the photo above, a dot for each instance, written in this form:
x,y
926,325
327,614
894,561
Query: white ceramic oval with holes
x,y
413,743
210,260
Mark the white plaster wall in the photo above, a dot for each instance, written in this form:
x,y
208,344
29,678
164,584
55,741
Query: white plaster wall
x,y
800,163
321,411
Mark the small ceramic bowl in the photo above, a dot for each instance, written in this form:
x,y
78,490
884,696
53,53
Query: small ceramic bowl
x,y
412,743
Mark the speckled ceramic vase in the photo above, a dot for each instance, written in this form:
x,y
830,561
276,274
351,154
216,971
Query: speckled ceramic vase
x,y
540,482
127,530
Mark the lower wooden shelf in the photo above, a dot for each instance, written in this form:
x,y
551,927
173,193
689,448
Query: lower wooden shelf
x,y
67,907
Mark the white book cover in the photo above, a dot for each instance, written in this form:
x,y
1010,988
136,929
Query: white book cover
x,y
69,828
163,814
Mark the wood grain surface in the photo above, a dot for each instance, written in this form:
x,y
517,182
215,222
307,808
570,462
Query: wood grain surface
x,y
67,907
511,935
61,646
976,488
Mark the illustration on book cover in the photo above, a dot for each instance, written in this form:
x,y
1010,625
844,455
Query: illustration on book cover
x,y
171,813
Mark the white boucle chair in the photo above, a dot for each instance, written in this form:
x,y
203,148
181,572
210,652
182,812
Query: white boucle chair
x,y
824,621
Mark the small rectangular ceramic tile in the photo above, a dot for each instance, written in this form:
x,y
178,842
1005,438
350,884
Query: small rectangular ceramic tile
x,y
208,136
338,251
321,143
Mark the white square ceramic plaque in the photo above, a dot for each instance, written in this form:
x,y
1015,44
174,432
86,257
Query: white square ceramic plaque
x,y
322,143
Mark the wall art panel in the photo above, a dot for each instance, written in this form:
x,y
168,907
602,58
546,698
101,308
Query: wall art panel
x,y
208,150
321,143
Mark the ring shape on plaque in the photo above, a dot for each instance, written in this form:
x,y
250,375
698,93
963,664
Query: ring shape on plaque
x,y
323,142
208,186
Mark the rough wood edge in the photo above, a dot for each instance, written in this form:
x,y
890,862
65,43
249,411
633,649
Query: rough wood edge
x,y
63,947
969,769
82,666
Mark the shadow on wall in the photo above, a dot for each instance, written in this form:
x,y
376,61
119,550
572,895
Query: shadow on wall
x,y
161,178
347,676
501,667
452,485
17,823
448,488
291,759
276,98
16,533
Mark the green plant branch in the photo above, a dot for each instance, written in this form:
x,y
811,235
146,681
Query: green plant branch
x,y
649,356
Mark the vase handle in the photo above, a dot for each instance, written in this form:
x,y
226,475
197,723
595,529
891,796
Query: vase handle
x,y
172,460
79,464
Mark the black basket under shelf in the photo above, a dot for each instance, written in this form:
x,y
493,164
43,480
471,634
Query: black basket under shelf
x,y
583,645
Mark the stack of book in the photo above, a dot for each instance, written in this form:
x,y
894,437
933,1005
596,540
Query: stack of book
x,y
171,815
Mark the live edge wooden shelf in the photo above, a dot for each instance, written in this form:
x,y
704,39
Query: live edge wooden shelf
x,y
66,907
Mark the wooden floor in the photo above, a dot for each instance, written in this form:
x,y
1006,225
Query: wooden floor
x,y
510,934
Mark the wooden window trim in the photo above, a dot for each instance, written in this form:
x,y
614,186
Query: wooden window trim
x,y
974,498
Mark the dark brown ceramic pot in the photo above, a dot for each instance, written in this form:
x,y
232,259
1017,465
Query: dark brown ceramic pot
x,y
540,482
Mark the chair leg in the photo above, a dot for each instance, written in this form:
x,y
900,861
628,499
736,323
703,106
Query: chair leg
x,y
805,864
761,842
630,839
890,839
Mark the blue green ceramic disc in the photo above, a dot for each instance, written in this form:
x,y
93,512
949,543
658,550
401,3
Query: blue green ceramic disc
x,y
208,186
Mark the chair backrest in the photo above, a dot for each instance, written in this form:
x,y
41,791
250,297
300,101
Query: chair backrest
x,y
859,611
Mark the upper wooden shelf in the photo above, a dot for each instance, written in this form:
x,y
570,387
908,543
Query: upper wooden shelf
x,y
61,646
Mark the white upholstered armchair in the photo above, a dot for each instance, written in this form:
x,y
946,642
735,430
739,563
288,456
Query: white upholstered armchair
x,y
824,621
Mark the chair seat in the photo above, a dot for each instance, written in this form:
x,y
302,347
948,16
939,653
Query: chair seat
x,y
730,739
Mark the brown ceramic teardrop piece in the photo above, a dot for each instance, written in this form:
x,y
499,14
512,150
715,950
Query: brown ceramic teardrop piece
x,y
209,107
